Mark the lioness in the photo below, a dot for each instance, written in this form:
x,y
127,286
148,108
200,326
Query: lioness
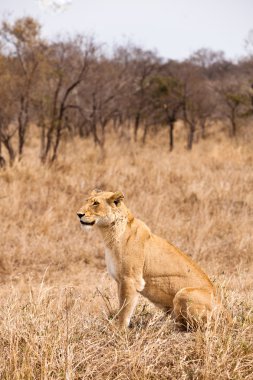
x,y
142,262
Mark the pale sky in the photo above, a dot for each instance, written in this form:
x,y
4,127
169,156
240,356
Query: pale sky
x,y
175,28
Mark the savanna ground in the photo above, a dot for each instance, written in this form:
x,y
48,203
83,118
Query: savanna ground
x,y
57,301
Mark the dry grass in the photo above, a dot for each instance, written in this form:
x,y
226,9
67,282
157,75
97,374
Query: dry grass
x,y
56,298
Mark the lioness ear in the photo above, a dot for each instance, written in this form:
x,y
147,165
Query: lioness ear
x,y
117,197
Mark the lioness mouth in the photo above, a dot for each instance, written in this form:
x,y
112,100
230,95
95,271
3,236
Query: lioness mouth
x,y
87,223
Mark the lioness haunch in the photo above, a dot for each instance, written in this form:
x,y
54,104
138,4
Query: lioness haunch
x,y
143,263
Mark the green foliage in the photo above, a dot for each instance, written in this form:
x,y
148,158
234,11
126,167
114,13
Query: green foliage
x,y
163,87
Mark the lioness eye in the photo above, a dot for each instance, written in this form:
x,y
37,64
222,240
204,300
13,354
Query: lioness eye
x,y
95,203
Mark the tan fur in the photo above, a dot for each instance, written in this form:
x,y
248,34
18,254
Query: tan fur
x,y
143,263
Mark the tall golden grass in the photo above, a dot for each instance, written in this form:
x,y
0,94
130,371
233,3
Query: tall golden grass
x,y
57,301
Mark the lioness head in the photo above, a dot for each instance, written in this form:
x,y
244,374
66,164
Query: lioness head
x,y
101,208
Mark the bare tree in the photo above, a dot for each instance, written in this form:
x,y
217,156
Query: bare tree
x,y
167,97
68,87
64,67
8,111
233,101
142,66
22,43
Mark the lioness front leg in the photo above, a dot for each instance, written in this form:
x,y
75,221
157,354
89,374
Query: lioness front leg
x,y
128,298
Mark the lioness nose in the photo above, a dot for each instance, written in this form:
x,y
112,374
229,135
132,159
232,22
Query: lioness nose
x,y
80,215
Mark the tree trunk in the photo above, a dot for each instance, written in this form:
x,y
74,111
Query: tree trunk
x,y
8,145
190,136
145,132
42,139
94,129
136,125
232,118
102,140
48,141
234,127
83,130
2,160
116,122
23,119
203,129
21,139
94,121
57,140
171,133
94,132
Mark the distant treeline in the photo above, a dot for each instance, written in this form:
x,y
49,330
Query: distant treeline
x,y
68,87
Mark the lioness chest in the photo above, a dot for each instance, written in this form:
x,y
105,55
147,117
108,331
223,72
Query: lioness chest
x,y
112,264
